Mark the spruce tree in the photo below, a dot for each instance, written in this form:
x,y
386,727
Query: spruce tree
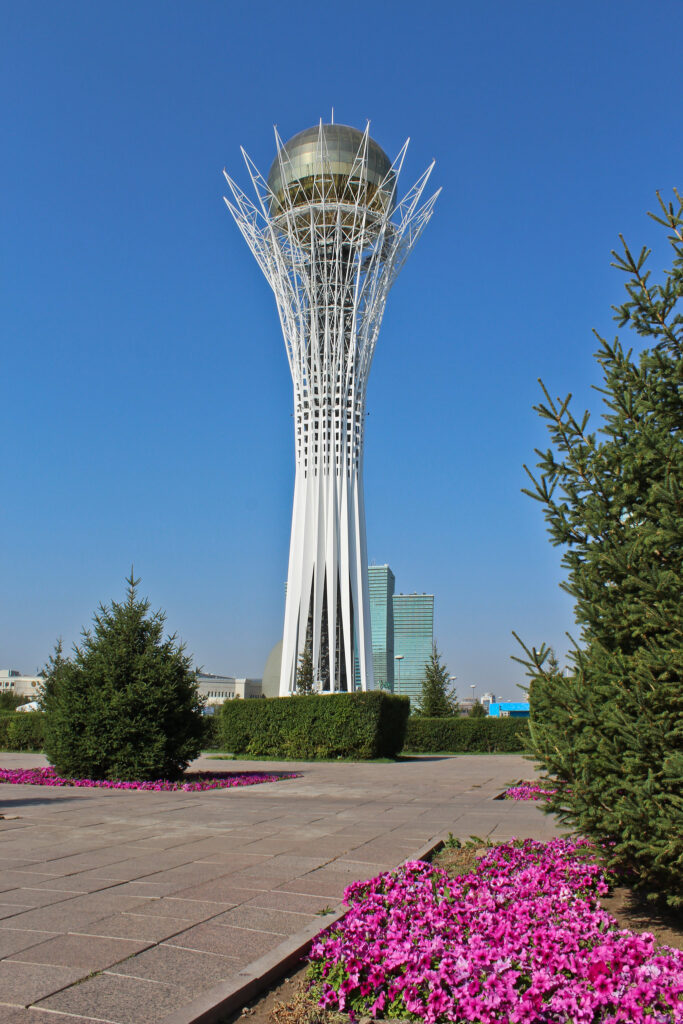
x,y
304,671
126,706
437,699
609,730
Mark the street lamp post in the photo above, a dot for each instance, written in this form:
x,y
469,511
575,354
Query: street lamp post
x,y
472,686
399,658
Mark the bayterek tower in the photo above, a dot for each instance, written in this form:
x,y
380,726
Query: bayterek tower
x,y
330,235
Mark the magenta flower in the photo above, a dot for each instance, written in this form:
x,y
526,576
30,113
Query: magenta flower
x,y
527,791
522,940
194,783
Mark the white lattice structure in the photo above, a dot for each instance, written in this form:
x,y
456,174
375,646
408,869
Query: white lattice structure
x,y
330,238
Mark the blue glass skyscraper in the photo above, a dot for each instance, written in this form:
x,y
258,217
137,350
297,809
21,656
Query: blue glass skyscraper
x,y
413,640
381,582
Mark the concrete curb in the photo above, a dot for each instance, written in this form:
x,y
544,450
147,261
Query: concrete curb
x,y
231,995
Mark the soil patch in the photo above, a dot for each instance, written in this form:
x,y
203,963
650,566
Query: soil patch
x,y
636,914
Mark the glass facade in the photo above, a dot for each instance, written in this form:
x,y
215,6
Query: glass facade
x,y
413,638
381,582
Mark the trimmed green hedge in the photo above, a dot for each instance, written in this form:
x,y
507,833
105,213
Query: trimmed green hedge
x,y
467,735
26,731
357,725
211,736
22,730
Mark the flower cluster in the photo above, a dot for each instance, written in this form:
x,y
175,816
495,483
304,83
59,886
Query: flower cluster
x,y
527,791
190,783
521,939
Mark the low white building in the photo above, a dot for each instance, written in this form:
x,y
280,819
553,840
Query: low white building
x,y
12,681
217,689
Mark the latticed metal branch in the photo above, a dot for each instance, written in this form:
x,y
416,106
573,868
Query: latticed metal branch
x,y
330,239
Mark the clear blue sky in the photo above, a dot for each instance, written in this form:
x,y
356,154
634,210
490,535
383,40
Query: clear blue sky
x,y
146,396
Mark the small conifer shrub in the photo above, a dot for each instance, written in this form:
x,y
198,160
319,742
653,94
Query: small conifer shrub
x,y
437,698
304,671
609,730
126,706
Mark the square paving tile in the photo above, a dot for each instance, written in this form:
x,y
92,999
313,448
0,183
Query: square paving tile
x,y
36,1016
23,984
88,951
263,919
117,999
71,914
15,879
14,941
299,903
193,910
31,897
18,1015
138,926
242,944
81,882
220,890
9,910
193,970
331,887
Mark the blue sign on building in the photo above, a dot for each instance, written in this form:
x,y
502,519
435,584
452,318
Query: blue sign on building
x,y
509,709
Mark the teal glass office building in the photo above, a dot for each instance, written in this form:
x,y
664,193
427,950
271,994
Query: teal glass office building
x,y
381,583
413,638
401,624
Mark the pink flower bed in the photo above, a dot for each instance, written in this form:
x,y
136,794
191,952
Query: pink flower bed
x,y
193,783
527,791
522,940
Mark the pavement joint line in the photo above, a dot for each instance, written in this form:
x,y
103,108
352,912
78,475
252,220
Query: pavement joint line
x,y
230,995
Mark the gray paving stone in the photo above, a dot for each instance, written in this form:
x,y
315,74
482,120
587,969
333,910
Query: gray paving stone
x,y
89,951
22,984
38,1016
16,879
298,903
14,941
219,890
241,943
17,1015
192,970
8,910
118,1000
138,926
168,906
263,919
31,897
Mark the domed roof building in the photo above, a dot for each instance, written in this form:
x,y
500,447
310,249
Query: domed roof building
x,y
333,163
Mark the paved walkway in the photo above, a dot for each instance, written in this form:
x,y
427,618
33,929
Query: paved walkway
x,y
125,906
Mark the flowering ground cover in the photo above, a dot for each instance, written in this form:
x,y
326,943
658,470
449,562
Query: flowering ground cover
x,y
519,940
527,791
189,784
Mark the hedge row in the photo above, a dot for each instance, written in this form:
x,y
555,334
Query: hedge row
x,y
211,737
466,735
360,725
23,730
356,725
26,731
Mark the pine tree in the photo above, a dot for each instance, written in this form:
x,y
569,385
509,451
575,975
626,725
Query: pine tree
x,y
126,706
437,699
477,710
304,671
609,731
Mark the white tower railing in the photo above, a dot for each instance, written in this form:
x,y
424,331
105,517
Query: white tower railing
x,y
330,253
